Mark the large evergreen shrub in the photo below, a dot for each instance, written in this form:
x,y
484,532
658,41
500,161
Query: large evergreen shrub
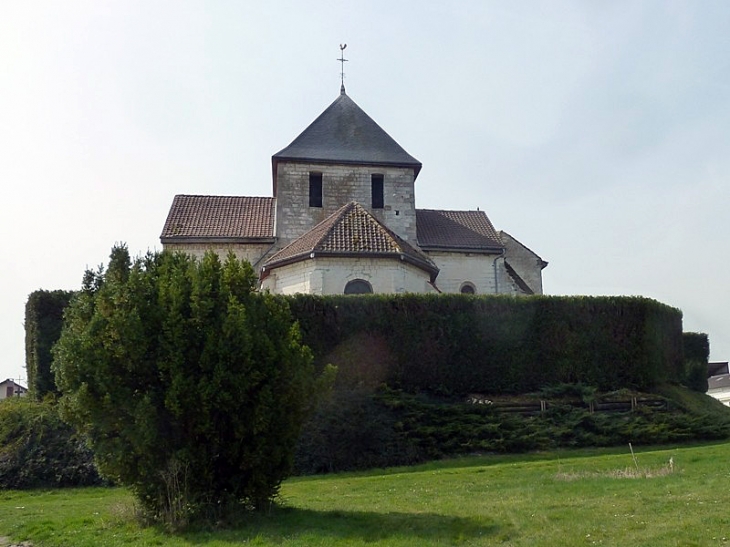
x,y
190,386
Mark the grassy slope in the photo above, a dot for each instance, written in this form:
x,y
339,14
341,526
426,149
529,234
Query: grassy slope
x,y
505,500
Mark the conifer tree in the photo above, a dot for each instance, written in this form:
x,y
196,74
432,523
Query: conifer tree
x,y
190,386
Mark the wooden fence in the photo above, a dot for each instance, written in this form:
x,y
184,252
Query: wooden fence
x,y
537,407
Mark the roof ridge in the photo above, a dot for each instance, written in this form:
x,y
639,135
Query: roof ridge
x,y
452,210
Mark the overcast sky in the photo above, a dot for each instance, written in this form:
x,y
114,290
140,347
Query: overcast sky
x,y
596,132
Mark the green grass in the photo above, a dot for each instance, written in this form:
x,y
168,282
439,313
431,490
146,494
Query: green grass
x,y
569,498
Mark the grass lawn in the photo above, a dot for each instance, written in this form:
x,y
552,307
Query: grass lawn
x,y
589,497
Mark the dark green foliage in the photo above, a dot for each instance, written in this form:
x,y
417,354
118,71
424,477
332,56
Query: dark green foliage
x,y
419,427
43,322
38,450
352,430
696,346
695,375
190,386
696,356
451,344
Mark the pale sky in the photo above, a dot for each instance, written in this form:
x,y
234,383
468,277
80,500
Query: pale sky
x,y
595,132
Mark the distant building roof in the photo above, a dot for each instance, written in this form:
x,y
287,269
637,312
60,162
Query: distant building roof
x,y
718,382
351,231
12,382
717,368
344,133
456,230
219,218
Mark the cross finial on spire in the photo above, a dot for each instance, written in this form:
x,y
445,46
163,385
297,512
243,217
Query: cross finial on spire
x,y
342,61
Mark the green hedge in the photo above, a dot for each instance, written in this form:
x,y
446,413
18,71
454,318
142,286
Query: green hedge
x,y
696,355
456,344
696,346
43,322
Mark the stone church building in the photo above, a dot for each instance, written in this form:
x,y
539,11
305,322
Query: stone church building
x,y
343,219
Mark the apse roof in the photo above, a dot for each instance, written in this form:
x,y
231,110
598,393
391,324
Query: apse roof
x,y
344,133
351,231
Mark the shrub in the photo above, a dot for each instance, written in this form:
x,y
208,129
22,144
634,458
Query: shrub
x,y
190,386
38,450
356,430
352,430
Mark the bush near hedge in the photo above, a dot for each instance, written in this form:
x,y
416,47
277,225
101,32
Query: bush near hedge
x,y
39,450
455,344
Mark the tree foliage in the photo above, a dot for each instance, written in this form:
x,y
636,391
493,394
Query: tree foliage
x,y
190,386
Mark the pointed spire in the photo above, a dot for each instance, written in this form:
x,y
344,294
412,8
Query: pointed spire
x,y
342,61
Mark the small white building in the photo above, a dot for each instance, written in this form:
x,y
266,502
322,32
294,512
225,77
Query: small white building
x,y
10,388
343,219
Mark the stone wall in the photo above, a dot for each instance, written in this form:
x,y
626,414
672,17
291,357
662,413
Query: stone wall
x,y
330,275
524,261
457,268
342,184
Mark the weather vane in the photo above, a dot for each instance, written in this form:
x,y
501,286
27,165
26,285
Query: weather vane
x,y
342,61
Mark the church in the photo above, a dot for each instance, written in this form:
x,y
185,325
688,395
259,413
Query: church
x,y
342,219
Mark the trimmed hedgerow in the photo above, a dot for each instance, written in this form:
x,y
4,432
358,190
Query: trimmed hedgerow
x,y
459,344
696,355
454,344
43,323
696,346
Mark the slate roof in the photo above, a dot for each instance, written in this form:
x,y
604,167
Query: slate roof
x,y
219,217
351,232
456,230
344,133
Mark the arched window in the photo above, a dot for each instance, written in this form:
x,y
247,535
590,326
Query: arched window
x,y
358,286
468,288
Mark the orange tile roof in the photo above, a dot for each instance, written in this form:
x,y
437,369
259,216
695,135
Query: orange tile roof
x,y
220,217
